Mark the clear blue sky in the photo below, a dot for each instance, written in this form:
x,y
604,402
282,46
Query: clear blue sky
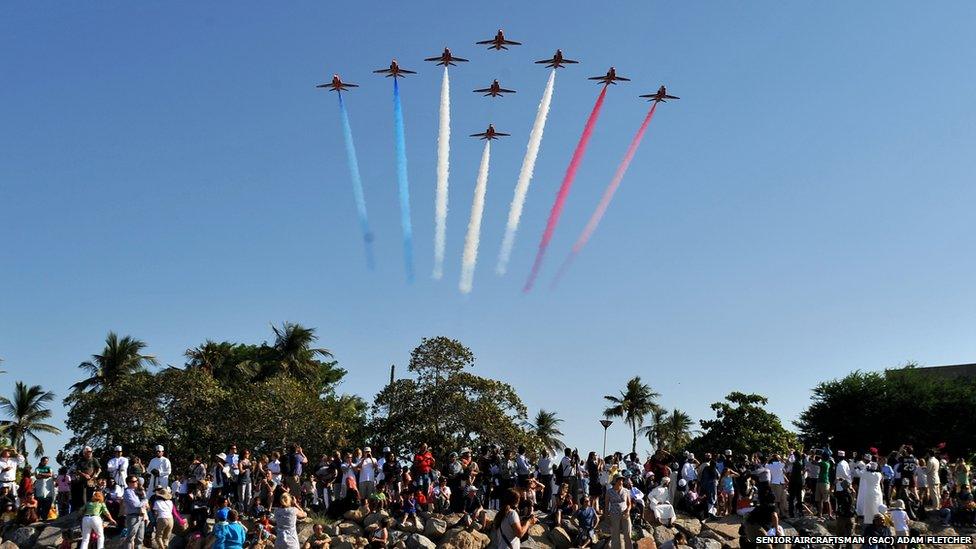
x,y
168,170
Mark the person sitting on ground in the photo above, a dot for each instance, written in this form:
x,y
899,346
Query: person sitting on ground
x,y
319,539
587,520
473,513
228,533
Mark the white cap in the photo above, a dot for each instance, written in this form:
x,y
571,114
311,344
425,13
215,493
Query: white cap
x,y
118,448
728,452
159,447
840,453
367,449
86,449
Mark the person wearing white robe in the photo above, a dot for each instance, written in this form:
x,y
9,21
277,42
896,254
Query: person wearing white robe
x,y
659,502
163,467
118,467
869,496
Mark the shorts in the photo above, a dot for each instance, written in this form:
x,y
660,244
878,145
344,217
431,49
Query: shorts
x,y
823,492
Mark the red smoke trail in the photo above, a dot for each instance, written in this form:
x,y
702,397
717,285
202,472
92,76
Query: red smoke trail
x,y
601,208
557,207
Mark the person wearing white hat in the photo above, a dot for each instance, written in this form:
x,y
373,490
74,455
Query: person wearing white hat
x,y
869,495
899,518
163,511
118,467
160,469
368,469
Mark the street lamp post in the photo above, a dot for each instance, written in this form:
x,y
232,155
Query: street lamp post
x,y
606,425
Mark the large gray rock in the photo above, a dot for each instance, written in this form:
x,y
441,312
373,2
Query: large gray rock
x,y
419,541
23,536
662,535
347,542
435,528
355,515
375,518
8,545
809,526
560,538
349,528
537,542
412,528
49,536
922,527
705,543
690,526
459,538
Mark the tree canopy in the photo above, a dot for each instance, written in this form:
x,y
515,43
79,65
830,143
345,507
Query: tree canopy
x,y
742,424
887,409
447,406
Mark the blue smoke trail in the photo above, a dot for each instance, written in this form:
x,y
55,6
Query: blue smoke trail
x,y
357,183
402,184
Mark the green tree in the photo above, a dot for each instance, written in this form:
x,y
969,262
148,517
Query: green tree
x,y
545,428
856,412
669,431
743,425
120,358
446,406
27,412
635,402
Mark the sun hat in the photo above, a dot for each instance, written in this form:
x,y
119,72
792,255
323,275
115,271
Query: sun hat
x,y
159,448
221,456
897,504
164,492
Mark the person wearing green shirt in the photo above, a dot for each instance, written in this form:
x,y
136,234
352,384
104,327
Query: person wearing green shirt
x,y
44,488
91,521
823,487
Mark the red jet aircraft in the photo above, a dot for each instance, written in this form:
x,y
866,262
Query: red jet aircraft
x,y
489,134
661,96
557,60
395,71
337,84
610,77
499,42
446,58
494,90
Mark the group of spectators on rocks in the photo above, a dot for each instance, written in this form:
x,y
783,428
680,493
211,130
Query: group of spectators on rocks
x,y
209,498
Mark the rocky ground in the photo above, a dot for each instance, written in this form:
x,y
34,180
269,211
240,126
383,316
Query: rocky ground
x,y
442,532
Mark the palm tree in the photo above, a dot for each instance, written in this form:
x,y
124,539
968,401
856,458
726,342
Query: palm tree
x,y
27,412
655,431
219,361
546,429
635,402
676,431
293,353
120,358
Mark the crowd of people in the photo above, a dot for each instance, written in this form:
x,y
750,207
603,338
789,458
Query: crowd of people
x,y
210,497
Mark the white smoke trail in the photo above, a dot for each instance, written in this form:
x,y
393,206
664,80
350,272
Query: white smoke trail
x,y
443,170
471,239
525,176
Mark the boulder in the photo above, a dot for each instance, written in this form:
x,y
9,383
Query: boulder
x,y
645,543
537,542
453,519
176,542
418,541
412,528
49,536
726,529
375,518
347,542
560,538
809,526
304,531
8,545
923,528
537,530
22,536
490,514
355,515
459,538
690,526
435,528
349,528
662,535
704,543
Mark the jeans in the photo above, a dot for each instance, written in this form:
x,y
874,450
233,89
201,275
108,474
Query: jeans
x,y
620,526
137,531
245,492
91,524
